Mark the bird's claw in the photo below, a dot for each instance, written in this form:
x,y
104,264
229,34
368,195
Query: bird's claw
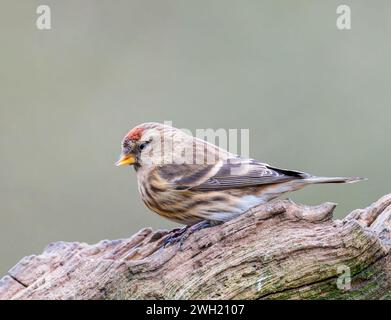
x,y
180,235
175,237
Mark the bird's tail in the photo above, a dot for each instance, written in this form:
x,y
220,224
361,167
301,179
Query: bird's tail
x,y
314,179
310,179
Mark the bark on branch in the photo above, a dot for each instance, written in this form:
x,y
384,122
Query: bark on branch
x,y
280,250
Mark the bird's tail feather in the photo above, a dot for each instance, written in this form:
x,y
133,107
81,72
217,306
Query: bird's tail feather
x,y
315,179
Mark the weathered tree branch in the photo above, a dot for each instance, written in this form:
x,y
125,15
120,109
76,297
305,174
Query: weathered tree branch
x,y
280,250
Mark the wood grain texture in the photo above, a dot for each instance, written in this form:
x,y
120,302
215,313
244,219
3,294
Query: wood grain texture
x,y
280,250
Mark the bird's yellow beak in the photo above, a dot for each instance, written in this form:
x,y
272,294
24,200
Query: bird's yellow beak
x,y
126,159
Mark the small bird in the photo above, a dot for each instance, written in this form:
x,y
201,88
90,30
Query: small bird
x,y
192,182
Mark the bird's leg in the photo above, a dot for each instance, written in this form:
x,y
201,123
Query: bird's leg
x,y
180,235
195,227
200,225
175,236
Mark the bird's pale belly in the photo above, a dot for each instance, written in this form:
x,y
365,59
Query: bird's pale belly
x,y
189,207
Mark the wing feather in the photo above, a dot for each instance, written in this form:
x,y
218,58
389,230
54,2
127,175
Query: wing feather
x,y
232,173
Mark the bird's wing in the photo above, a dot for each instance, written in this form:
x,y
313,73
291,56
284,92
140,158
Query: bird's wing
x,y
233,173
187,176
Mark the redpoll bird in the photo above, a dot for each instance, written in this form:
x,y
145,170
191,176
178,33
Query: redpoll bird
x,y
188,180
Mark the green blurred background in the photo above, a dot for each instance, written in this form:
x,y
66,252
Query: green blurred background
x,y
314,98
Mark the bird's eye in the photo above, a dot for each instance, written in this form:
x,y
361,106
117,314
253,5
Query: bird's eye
x,y
142,146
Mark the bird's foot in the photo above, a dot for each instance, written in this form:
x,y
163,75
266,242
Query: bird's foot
x,y
180,235
175,236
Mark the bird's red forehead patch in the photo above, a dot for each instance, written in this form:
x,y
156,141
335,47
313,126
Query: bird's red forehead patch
x,y
135,134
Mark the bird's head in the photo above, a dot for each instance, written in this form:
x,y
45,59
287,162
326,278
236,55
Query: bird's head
x,y
138,142
156,144
143,143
